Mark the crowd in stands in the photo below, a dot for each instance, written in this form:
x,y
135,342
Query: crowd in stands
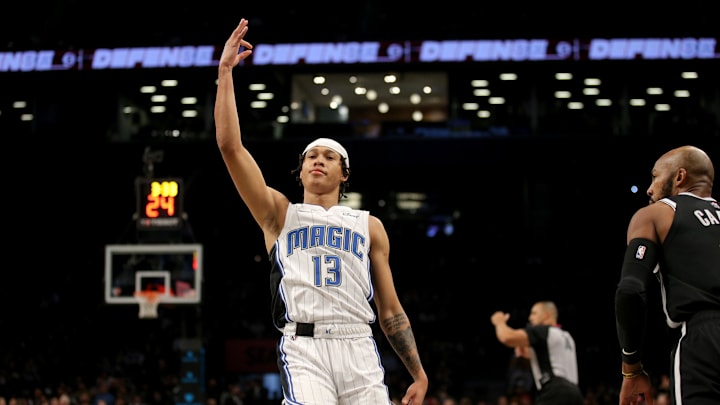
x,y
145,371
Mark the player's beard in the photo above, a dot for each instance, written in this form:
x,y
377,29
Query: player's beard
x,y
667,188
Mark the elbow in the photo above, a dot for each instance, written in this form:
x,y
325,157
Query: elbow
x,y
226,144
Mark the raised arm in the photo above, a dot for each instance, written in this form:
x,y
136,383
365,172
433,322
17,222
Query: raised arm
x,y
393,320
510,337
266,204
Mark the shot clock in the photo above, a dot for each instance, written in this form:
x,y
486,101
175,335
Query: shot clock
x,y
159,204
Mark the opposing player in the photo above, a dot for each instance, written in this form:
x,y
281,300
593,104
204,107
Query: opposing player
x,y
677,239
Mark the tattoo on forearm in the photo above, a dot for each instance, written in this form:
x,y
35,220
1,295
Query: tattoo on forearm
x,y
395,323
401,338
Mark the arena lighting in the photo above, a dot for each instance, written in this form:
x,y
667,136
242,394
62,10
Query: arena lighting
x,y
668,50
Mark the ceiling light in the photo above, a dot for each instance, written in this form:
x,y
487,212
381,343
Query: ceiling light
x,y
390,78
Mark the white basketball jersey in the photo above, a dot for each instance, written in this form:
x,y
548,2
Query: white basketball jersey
x,y
321,267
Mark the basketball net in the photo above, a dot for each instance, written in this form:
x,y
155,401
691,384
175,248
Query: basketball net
x,y
148,302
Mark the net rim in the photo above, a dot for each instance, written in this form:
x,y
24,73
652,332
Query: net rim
x,y
148,302
148,296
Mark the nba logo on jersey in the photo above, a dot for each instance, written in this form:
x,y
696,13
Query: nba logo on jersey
x,y
640,253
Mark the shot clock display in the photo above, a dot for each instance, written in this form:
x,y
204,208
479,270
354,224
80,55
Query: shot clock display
x,y
159,203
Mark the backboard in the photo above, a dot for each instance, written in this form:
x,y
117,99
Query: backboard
x,y
174,270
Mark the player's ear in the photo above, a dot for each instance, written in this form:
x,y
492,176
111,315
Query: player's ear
x,y
680,175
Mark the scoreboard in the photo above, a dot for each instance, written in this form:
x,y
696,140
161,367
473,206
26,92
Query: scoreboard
x,y
159,203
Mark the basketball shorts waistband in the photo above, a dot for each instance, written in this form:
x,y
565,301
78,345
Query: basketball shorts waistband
x,y
327,330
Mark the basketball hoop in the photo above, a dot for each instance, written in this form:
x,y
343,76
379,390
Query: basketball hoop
x,y
148,302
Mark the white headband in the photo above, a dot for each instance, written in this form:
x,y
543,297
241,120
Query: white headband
x,y
329,143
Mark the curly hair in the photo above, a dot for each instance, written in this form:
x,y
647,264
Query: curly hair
x,y
344,186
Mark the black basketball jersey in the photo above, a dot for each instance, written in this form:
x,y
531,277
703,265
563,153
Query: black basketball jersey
x,y
689,268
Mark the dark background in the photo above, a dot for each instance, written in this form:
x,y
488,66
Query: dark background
x,y
540,217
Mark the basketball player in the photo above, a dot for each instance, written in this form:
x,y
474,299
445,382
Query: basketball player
x,y
676,237
328,261
551,350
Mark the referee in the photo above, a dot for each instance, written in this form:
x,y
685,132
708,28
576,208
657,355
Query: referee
x,y
551,350
675,238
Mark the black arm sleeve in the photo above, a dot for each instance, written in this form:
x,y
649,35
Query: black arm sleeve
x,y
631,297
